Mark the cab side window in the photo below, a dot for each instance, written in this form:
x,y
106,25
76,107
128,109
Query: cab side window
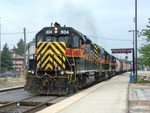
x,y
76,41
91,49
87,49
70,42
99,53
40,39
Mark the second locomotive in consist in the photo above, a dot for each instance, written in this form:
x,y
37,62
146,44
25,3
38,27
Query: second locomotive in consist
x,y
66,60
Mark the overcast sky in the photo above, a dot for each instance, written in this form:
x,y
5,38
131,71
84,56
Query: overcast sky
x,y
106,22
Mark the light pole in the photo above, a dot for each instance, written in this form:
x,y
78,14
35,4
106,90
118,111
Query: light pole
x,y
133,52
24,30
136,39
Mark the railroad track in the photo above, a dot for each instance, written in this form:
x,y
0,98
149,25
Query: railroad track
x,y
28,103
31,104
11,88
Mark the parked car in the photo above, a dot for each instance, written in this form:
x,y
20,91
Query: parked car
x,y
8,74
3,75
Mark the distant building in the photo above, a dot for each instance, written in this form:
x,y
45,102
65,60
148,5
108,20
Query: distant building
x,y
30,51
18,62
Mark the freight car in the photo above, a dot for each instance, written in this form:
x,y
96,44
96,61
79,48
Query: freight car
x,y
65,60
122,66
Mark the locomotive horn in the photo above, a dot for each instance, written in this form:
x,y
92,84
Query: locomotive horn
x,y
57,24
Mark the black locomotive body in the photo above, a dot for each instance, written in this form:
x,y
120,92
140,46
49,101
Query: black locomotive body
x,y
66,60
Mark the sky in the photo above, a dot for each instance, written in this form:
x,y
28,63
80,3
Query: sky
x,y
105,22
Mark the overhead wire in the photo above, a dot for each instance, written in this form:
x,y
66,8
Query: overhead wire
x,y
114,39
20,27
15,33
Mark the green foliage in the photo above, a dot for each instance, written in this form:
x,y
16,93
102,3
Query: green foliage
x,y
33,40
6,58
30,43
145,49
20,48
142,81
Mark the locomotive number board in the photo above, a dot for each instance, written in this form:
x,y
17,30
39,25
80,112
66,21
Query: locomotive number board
x,y
57,31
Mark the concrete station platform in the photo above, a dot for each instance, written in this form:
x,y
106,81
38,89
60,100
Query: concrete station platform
x,y
110,96
139,95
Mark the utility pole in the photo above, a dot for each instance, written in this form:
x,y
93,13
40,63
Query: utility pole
x,y
24,66
136,40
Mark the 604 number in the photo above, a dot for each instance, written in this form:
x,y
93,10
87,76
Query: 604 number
x,y
64,32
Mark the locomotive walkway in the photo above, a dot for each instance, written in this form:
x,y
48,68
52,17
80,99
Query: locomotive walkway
x,y
110,96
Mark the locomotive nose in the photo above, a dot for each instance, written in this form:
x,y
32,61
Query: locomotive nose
x,y
51,55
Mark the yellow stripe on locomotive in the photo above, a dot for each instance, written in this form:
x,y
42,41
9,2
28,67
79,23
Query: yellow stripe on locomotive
x,y
51,55
95,55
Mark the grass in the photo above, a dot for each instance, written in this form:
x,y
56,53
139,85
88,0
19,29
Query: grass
x,y
7,82
142,81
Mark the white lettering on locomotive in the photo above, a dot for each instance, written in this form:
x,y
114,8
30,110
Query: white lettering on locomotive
x,y
49,32
64,32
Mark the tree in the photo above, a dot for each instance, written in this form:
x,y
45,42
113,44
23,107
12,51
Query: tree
x,y
30,43
145,49
20,48
6,58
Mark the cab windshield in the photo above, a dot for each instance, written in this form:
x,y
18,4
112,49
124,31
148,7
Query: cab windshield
x,y
52,39
71,41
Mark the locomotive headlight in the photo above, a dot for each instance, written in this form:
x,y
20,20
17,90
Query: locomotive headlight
x,y
56,28
62,72
29,71
56,31
32,72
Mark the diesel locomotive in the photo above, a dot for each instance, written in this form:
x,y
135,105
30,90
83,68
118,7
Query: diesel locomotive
x,y
65,60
